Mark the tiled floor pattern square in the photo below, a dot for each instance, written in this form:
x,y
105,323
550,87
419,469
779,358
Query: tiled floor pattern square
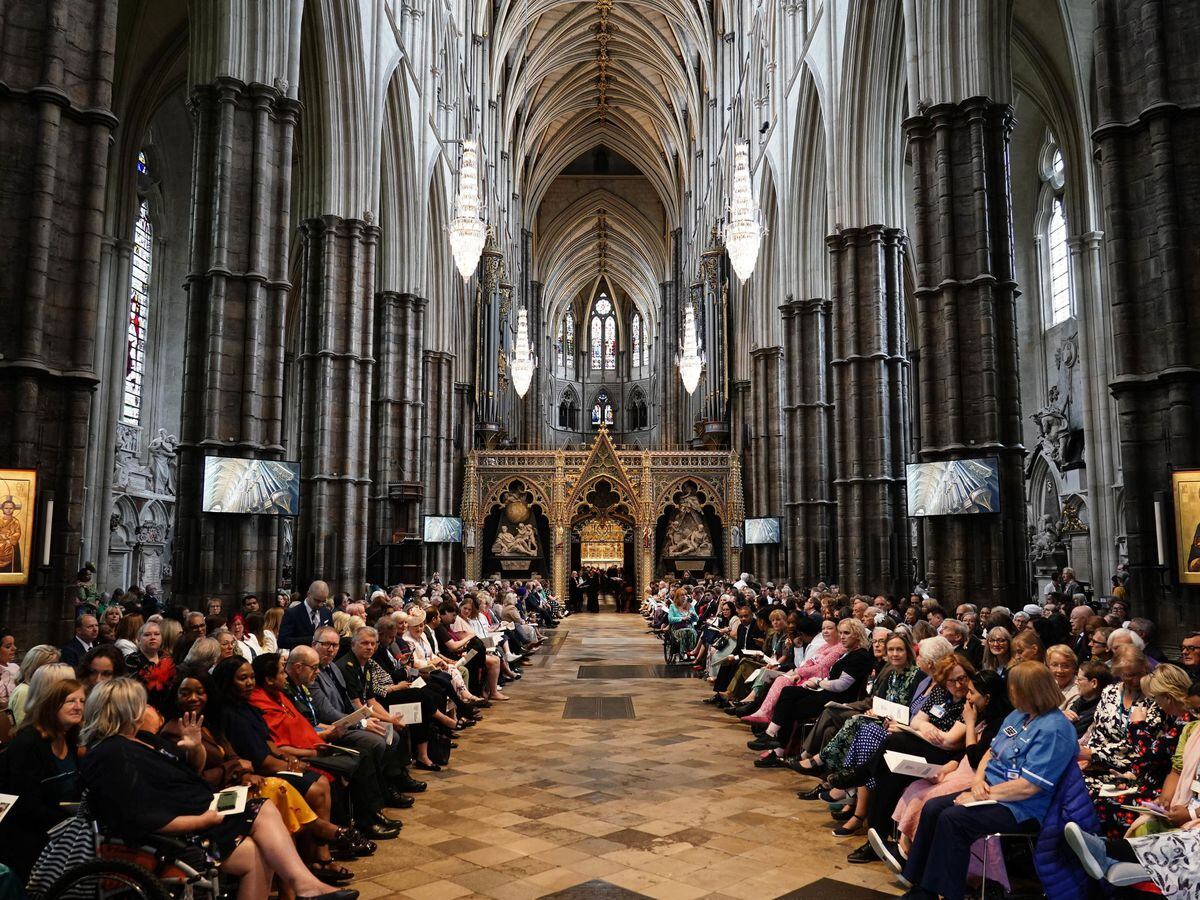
x,y
665,805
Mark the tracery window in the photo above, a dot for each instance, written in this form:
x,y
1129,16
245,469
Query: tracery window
x,y
568,411
564,345
638,413
603,330
138,319
1053,235
636,340
602,410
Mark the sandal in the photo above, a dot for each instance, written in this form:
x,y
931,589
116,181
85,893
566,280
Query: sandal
x,y
853,825
331,873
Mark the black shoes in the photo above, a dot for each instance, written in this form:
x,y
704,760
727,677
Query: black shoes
x,y
863,854
381,828
770,761
343,894
763,742
426,767
410,785
396,800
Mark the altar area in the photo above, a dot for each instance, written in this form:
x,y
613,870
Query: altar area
x,y
647,512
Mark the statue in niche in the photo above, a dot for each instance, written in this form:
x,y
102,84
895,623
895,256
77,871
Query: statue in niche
x,y
1053,432
1046,544
519,542
687,535
162,462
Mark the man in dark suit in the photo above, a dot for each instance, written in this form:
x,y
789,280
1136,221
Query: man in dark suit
x,y
963,641
575,592
301,620
593,590
87,629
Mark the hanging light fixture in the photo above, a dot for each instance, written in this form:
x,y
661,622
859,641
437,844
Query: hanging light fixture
x,y
467,229
743,234
523,362
690,361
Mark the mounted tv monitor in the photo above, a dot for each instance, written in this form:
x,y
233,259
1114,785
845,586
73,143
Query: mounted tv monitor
x,y
256,487
954,487
443,530
762,531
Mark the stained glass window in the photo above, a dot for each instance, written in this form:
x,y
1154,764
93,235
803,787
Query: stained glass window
x,y
569,334
603,330
1060,265
635,339
1059,306
597,343
139,312
602,411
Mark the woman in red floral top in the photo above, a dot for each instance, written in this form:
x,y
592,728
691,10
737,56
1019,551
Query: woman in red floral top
x,y
152,667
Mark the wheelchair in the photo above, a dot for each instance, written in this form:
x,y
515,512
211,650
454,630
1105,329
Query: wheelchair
x,y
161,868
673,654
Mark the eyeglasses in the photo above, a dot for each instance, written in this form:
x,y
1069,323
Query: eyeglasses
x,y
959,680
1096,643
1189,648
327,643
997,640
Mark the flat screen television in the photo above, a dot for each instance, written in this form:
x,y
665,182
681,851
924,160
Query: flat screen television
x,y
954,487
257,487
763,531
442,530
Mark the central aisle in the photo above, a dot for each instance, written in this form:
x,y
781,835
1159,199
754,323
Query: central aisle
x,y
666,804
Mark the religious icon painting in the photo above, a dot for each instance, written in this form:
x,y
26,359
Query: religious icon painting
x,y
18,494
1186,488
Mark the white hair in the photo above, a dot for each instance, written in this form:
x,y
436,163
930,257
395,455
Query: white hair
x,y
1134,637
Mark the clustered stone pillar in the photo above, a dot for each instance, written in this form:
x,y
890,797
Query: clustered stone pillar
x,y
969,386
1148,135
396,488
810,462
336,368
438,451
671,416
487,373
56,69
870,373
237,302
767,452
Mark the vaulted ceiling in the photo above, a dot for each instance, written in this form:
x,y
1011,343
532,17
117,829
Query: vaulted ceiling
x,y
624,74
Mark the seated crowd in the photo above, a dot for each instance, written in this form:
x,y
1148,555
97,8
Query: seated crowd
x,y
146,713
930,730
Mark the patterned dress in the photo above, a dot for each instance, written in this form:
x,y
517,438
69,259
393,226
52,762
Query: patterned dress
x,y
942,710
1113,750
898,687
1151,757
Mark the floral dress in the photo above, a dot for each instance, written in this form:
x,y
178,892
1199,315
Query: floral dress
x,y
1110,741
898,687
1150,760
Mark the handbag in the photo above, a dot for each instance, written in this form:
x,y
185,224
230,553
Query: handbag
x,y
340,761
439,747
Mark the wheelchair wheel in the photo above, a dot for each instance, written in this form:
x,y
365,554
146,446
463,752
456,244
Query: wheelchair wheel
x,y
107,879
670,649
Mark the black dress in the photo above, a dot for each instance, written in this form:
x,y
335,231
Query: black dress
x,y
29,768
799,704
135,791
247,731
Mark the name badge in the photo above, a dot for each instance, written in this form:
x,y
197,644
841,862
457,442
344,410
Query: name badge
x,y
938,711
1013,775
1010,731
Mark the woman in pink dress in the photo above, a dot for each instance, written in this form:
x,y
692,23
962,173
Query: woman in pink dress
x,y
816,666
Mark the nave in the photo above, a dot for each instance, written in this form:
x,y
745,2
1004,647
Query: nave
x,y
665,804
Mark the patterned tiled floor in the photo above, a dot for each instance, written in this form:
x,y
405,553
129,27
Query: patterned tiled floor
x,y
666,804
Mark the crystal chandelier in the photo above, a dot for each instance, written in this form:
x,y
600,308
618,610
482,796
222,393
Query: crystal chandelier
x,y
467,229
743,234
690,361
523,362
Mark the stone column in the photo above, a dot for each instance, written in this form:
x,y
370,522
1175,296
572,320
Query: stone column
x,y
1148,137
336,368
811,526
396,484
438,455
767,428
56,70
487,383
870,376
969,389
536,410
671,392
237,302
